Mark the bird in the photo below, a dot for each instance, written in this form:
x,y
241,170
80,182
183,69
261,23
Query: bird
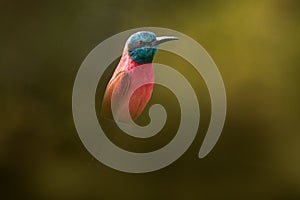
x,y
135,64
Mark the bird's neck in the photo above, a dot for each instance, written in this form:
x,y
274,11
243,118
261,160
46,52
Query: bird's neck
x,y
127,63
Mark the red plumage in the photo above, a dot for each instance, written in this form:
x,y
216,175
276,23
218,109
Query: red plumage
x,y
125,78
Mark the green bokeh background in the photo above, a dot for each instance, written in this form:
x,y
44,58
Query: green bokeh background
x,y
256,46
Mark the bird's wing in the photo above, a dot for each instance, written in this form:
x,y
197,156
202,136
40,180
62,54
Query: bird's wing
x,y
120,83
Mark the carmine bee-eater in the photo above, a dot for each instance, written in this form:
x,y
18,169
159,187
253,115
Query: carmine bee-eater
x,y
139,51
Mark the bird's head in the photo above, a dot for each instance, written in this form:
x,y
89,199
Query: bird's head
x,y
143,45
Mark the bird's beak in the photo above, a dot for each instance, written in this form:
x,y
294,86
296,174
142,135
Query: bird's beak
x,y
163,39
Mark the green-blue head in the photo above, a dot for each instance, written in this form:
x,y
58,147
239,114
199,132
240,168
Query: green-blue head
x,y
143,45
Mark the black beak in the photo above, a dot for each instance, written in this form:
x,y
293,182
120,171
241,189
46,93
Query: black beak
x,y
163,39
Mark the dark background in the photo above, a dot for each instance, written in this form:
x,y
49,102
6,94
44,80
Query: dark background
x,y
256,46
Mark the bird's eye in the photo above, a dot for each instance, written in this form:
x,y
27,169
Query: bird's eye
x,y
141,42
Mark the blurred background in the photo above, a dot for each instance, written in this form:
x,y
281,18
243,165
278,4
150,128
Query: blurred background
x,y
256,46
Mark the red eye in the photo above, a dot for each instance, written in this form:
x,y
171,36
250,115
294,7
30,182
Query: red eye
x,y
140,42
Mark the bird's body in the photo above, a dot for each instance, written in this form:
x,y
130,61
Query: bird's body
x,y
138,53
122,79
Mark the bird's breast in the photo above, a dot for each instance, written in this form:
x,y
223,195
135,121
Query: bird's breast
x,y
130,88
141,88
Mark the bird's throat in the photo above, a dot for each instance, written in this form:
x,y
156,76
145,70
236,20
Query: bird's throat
x,y
143,55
